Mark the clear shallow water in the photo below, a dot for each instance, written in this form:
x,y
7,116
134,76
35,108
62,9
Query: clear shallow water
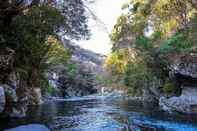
x,y
99,114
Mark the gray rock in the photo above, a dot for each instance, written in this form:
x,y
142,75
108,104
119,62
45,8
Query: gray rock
x,y
184,69
186,103
2,99
30,127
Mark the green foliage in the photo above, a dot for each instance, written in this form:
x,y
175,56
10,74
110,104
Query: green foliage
x,y
121,28
136,77
34,52
142,41
147,57
99,78
125,5
169,86
117,60
33,37
163,16
156,35
57,54
179,42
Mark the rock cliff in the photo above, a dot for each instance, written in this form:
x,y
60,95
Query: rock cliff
x,y
80,77
184,71
14,96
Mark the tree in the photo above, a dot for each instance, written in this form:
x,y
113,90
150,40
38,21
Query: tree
x,y
33,30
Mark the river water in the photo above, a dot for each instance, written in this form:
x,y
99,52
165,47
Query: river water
x,y
103,114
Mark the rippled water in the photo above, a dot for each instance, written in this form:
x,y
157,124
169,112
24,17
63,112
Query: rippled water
x,y
99,114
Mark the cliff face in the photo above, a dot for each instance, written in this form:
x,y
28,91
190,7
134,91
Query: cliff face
x,y
78,78
81,78
184,72
80,54
9,85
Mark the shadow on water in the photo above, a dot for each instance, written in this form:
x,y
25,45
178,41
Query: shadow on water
x,y
103,115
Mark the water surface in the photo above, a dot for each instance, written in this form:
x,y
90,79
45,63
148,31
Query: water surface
x,y
102,114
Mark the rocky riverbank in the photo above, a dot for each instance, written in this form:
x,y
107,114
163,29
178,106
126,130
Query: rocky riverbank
x,y
184,72
78,78
87,66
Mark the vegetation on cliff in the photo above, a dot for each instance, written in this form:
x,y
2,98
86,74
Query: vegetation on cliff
x,y
146,39
32,30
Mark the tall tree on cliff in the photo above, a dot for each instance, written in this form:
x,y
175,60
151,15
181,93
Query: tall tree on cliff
x,y
31,27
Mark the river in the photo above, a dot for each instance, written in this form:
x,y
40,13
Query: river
x,y
103,114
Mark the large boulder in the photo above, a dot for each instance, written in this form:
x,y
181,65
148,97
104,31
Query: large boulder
x,y
186,103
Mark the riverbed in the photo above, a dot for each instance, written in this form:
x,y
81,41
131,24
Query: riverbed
x,y
102,114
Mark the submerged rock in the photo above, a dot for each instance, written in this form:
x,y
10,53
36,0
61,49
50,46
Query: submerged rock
x,y
186,103
30,127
